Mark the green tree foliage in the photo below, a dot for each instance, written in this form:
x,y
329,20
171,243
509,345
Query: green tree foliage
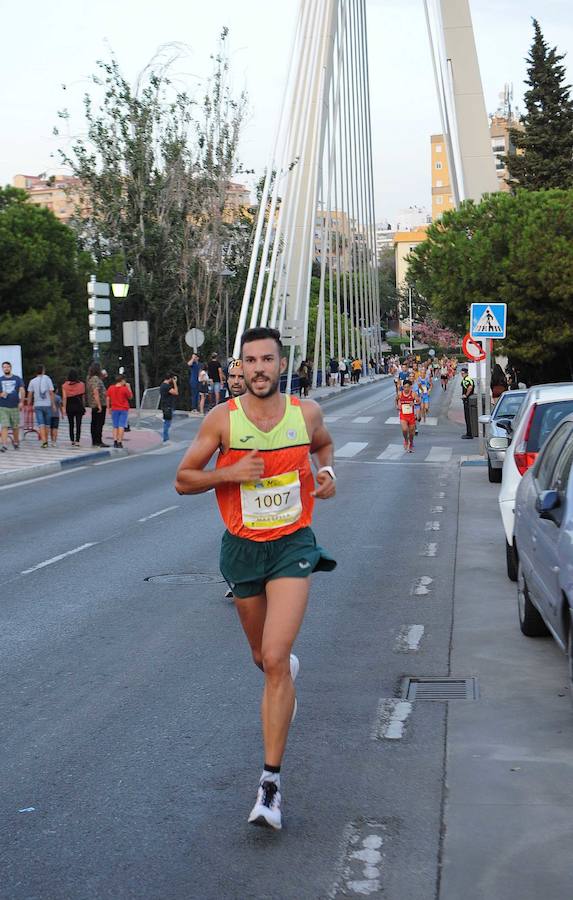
x,y
389,299
516,249
42,286
155,167
545,148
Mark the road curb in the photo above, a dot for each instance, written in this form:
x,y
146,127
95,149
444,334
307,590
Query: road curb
x,y
42,469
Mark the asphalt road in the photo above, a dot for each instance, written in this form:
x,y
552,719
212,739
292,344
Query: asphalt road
x,y
131,745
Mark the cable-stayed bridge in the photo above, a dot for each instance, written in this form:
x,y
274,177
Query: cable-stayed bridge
x,y
316,211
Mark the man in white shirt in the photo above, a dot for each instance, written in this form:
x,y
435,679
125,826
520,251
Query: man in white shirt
x,y
41,396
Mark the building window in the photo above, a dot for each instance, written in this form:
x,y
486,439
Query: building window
x,y
438,148
438,165
439,183
439,199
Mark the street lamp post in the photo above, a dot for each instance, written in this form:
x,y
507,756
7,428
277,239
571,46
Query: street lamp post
x,y
225,274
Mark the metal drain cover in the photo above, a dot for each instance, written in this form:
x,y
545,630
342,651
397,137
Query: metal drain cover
x,y
190,578
436,688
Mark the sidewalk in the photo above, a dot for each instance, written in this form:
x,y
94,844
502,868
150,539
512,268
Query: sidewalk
x,y
31,461
508,822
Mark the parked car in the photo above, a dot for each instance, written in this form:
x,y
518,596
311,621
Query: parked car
x,y
544,542
504,411
543,407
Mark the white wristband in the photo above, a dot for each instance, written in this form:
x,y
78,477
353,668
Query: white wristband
x,y
328,469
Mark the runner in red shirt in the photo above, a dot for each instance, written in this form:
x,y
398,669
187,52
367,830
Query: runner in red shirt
x,y
405,406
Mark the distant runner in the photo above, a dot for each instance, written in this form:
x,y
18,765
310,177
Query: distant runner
x,y
405,405
265,491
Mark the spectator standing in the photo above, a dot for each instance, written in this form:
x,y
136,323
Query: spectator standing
x,y
55,418
118,397
332,371
73,405
215,373
194,369
203,389
342,369
168,392
356,370
468,389
95,396
41,397
12,396
303,378
498,383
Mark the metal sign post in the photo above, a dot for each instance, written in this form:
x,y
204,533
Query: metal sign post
x,y
136,335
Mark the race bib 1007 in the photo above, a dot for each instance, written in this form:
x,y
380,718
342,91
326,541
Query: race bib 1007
x,y
271,502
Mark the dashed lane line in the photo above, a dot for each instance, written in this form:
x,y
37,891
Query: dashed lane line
x,y
391,718
409,637
422,586
160,512
55,559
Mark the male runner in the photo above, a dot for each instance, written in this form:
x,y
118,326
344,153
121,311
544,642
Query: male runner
x,y
405,405
236,378
265,491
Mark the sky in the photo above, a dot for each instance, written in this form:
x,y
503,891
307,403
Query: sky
x,y
61,46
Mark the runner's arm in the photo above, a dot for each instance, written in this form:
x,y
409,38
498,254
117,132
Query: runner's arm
x,y
191,475
321,448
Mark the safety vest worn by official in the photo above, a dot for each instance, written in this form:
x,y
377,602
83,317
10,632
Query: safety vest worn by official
x,y
280,502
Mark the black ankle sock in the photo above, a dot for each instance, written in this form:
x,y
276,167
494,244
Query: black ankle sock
x,y
275,770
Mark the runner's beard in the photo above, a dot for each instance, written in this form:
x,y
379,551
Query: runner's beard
x,y
263,389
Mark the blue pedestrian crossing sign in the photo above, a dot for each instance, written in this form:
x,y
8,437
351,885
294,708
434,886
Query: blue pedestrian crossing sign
x,y
488,320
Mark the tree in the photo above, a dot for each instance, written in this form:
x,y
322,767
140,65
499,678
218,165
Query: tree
x,y
42,286
516,249
389,298
544,157
155,168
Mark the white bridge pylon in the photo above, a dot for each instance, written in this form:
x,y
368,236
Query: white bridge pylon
x,y
316,211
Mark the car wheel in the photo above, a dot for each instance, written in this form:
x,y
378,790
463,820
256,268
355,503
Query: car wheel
x,y
530,619
494,475
511,562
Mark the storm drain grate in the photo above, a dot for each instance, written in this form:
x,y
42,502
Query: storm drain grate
x,y
435,688
191,578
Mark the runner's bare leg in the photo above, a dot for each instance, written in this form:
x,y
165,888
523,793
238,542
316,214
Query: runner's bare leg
x,y
252,613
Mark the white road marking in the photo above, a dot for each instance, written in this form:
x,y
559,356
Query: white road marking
x,y
360,862
439,454
431,420
436,510
391,718
421,586
14,484
432,526
116,459
393,420
392,451
55,559
409,638
350,449
362,420
430,550
332,418
441,495
160,512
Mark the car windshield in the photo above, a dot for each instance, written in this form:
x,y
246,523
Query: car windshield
x,y
547,416
508,405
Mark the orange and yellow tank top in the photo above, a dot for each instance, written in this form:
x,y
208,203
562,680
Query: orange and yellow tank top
x,y
280,502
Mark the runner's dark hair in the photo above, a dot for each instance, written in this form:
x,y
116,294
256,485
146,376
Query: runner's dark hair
x,y
260,334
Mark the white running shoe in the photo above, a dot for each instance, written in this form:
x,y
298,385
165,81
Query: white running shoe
x,y
294,667
267,809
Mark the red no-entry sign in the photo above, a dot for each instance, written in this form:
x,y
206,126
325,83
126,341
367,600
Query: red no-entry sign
x,y
473,350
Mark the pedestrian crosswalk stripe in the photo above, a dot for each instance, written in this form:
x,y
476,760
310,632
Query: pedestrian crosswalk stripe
x,y
331,418
350,449
392,451
439,454
394,420
362,420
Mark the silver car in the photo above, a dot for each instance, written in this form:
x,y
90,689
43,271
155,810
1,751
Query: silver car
x,y
544,542
504,411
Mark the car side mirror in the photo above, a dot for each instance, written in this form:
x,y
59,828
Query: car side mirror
x,y
499,443
546,503
484,420
505,424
